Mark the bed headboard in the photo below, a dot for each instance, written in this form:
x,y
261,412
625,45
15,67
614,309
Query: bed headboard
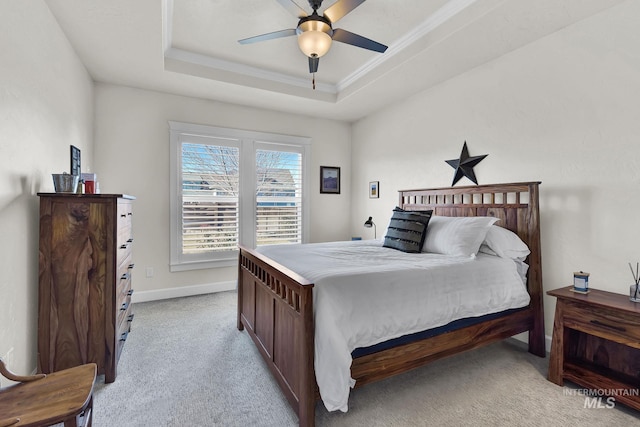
x,y
516,204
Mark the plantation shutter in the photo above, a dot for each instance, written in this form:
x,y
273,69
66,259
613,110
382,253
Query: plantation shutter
x,y
210,191
278,197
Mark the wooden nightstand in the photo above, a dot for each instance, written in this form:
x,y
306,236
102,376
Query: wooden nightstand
x,y
596,343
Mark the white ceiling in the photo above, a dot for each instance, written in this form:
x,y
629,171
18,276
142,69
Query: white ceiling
x,y
189,47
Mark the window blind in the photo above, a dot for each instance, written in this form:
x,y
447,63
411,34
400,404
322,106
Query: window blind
x,y
278,197
210,191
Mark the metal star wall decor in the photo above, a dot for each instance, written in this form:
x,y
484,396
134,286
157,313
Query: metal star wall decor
x,y
464,165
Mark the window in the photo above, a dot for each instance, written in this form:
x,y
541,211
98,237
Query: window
x,y
210,190
278,197
231,187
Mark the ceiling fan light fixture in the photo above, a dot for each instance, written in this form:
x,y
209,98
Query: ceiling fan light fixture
x,y
314,38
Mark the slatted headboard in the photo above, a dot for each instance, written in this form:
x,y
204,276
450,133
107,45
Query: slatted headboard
x,y
515,204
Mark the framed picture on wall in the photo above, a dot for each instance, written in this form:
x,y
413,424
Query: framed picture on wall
x,y
75,160
330,179
374,189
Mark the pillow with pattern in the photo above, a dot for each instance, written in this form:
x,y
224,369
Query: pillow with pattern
x,y
407,230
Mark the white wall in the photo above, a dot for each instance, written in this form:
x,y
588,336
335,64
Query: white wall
x,y
132,156
563,110
46,104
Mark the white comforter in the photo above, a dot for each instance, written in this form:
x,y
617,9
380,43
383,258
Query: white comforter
x,y
365,294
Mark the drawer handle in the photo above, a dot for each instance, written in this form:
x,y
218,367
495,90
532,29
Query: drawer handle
x,y
123,246
130,318
130,240
124,336
617,328
125,276
131,266
130,292
124,306
130,213
123,215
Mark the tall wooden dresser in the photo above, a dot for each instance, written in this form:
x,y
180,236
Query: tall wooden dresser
x,y
84,311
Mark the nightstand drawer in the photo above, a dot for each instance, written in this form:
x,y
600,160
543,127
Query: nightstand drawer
x,y
610,324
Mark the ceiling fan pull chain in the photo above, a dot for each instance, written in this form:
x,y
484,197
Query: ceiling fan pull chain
x,y
313,80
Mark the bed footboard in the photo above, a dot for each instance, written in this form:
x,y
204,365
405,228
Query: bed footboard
x,y
275,305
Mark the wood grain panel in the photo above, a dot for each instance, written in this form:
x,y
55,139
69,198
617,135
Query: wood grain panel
x,y
287,346
263,327
247,290
80,292
377,366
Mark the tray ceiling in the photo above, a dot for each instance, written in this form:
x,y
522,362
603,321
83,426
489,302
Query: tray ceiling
x,y
190,47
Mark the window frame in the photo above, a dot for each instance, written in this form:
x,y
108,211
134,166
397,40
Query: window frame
x,y
247,142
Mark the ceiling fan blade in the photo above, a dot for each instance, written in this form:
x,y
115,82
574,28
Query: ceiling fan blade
x,y
313,64
269,36
293,8
340,9
348,37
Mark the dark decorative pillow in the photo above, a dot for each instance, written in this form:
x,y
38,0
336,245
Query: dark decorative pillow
x,y
407,230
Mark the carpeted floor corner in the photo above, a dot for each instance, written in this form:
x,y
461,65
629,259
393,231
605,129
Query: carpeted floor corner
x,y
185,363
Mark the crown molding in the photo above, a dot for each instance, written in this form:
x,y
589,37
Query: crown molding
x,y
167,25
198,59
442,15
244,70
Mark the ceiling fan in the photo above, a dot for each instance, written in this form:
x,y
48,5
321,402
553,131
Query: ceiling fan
x,y
315,33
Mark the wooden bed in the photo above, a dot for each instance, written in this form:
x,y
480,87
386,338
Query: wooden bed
x,y
275,304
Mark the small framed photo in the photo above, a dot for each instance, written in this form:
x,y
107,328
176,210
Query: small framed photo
x,y
330,179
374,189
75,160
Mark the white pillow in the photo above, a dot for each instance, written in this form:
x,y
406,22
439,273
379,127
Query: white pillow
x,y
459,236
505,244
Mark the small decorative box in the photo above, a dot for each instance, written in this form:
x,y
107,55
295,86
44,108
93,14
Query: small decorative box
x,y
581,281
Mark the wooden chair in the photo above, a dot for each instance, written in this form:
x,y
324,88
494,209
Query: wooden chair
x,y
45,399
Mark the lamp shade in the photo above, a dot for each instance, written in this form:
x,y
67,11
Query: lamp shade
x,y
314,38
369,223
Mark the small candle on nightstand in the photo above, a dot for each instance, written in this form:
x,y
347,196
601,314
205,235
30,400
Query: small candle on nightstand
x,y
581,281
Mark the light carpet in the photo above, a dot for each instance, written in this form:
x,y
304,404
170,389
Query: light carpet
x,y
186,364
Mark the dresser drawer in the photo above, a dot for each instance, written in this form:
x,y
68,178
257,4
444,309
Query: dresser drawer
x,y
123,312
123,277
125,213
124,327
124,227
124,244
606,323
125,237
123,253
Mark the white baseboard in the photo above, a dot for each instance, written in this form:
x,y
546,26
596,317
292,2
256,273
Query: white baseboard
x,y
183,291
